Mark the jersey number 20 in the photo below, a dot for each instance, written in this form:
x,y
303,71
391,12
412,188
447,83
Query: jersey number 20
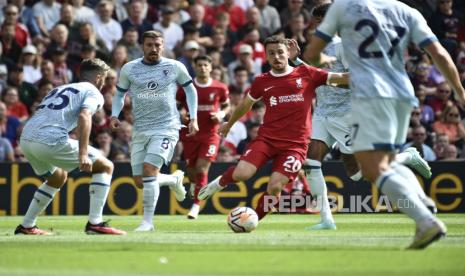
x,y
60,95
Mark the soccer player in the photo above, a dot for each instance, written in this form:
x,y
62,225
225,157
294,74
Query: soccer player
x,y
151,83
201,149
330,125
375,35
283,137
52,154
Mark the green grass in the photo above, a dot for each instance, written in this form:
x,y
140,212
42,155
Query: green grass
x,y
363,245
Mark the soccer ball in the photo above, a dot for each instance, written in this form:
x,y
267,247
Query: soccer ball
x,y
242,219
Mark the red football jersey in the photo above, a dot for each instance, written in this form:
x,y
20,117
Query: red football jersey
x,y
210,97
288,99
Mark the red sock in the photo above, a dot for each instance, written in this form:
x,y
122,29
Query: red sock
x,y
201,179
227,177
263,210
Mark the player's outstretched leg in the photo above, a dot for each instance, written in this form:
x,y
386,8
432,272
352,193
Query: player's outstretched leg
x,y
201,179
411,157
98,191
42,198
175,182
214,186
318,189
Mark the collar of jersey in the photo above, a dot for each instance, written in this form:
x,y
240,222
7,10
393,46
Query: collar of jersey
x,y
282,74
203,84
150,64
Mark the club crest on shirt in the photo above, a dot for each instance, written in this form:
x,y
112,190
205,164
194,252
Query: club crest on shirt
x,y
152,85
298,82
166,72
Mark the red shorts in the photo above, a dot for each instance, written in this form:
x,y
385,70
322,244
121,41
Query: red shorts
x,y
285,161
204,148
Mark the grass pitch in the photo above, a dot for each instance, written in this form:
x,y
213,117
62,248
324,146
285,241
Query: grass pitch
x,y
370,244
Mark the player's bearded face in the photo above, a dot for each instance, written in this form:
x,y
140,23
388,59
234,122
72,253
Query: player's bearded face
x,y
277,56
153,49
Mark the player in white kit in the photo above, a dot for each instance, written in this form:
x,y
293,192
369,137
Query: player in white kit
x,y
331,126
52,154
375,35
151,83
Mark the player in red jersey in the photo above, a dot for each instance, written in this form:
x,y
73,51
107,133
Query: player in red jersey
x,y
283,137
201,149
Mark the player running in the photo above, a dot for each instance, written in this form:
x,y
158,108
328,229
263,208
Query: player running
x,y
52,154
330,126
201,149
151,83
283,137
375,35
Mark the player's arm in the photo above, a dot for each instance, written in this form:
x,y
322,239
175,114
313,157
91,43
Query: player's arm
x,y
118,99
334,79
443,61
83,131
224,109
192,102
244,107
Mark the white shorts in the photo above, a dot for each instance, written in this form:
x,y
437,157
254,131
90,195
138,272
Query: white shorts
x,y
331,131
379,124
155,149
45,159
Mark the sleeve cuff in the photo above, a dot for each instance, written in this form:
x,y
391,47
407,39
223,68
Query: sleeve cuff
x,y
187,83
323,36
252,98
427,42
121,90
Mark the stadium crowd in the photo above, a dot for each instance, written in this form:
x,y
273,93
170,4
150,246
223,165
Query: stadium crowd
x,y
43,42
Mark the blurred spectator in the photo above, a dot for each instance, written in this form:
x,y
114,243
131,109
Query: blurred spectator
x,y
5,61
442,141
8,125
257,114
172,32
67,19
244,4
59,39
252,133
451,125
191,50
422,80
252,38
269,16
82,12
131,41
225,155
3,77
11,13
123,138
450,153
119,57
11,48
47,14
14,106
110,82
418,142
426,112
87,37
103,142
43,87
219,44
30,61
107,28
100,122
27,91
294,8
254,20
62,72
19,155
26,16
236,14
219,73
6,150
239,83
444,23
197,14
47,69
441,99
295,30
180,16
237,133
245,60
136,18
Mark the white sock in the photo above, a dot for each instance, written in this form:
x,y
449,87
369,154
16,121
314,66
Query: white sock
x,y
318,189
42,198
98,192
151,192
401,194
357,177
410,176
166,179
403,157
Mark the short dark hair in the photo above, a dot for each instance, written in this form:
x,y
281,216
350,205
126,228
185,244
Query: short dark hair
x,y
91,67
275,39
151,34
320,10
239,68
203,57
